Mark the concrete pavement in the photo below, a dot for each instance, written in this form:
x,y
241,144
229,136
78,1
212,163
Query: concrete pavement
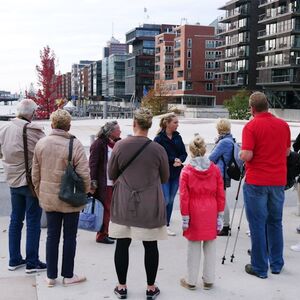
x,y
96,262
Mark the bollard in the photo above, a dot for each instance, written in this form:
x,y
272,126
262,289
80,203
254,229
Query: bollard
x,y
105,110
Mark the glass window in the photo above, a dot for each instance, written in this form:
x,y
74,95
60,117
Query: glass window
x,y
209,87
189,43
210,44
189,64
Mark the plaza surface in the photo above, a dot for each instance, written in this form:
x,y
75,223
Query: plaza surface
x,y
96,260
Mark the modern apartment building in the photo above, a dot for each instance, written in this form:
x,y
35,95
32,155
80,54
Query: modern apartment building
x,y
139,67
113,76
84,82
114,47
64,86
97,80
75,78
185,64
279,55
239,58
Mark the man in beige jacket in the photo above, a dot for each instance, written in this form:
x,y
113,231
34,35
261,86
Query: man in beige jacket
x,y
23,203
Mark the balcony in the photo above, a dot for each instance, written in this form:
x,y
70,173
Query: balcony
x,y
286,62
168,59
232,56
278,79
239,11
265,18
280,31
233,82
277,48
263,3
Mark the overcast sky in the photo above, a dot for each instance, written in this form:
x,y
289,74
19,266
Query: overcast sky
x,y
79,29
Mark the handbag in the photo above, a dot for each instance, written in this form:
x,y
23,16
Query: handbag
x,y
72,189
91,217
27,170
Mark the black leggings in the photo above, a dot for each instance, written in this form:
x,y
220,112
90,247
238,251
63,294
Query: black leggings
x,y
122,260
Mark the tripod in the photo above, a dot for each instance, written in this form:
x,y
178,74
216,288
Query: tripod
x,y
231,223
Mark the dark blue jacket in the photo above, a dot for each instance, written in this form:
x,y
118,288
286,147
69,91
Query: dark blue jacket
x,y
175,148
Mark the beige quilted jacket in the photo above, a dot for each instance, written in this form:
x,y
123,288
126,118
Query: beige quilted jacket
x,y
49,164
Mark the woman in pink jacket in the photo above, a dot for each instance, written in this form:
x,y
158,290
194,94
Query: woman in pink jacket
x,y
202,207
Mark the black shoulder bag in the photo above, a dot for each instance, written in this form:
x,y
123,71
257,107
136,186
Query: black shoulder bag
x,y
27,170
72,186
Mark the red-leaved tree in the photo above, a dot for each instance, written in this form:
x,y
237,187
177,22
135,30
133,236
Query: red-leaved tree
x,y
48,83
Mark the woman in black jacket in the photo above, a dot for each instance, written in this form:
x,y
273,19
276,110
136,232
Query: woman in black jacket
x,y
170,139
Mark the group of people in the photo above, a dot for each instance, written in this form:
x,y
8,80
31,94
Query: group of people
x,y
137,180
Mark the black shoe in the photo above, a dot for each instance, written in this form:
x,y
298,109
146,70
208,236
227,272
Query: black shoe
x,y
249,270
275,272
298,229
249,252
34,269
21,264
224,231
121,294
106,240
152,294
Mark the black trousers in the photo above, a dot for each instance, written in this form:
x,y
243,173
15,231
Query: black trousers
x,y
69,222
122,260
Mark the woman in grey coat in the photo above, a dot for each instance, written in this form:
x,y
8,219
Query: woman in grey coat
x,y
138,209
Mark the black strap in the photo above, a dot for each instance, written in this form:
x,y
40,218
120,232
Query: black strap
x,y
134,157
25,148
71,148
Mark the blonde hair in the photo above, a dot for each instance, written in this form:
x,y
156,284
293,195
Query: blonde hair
x,y
166,119
197,146
223,126
259,101
143,117
60,119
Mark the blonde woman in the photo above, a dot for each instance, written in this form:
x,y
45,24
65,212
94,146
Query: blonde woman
x,y
49,163
202,205
221,155
170,139
138,210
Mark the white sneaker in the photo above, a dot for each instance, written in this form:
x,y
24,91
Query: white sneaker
x,y
170,232
296,247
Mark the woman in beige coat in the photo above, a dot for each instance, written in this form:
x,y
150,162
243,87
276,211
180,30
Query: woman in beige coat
x,y
138,208
49,164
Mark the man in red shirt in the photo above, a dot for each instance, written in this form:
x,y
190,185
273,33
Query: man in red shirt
x,y
265,145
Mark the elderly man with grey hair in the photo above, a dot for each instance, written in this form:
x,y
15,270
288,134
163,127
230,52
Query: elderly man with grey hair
x,y
23,203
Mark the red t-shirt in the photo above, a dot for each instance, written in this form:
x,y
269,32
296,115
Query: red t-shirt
x,y
269,138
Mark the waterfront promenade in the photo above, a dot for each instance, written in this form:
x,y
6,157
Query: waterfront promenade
x,y
96,260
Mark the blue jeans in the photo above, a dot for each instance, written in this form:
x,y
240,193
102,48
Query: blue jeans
x,y
24,204
170,189
55,221
264,205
